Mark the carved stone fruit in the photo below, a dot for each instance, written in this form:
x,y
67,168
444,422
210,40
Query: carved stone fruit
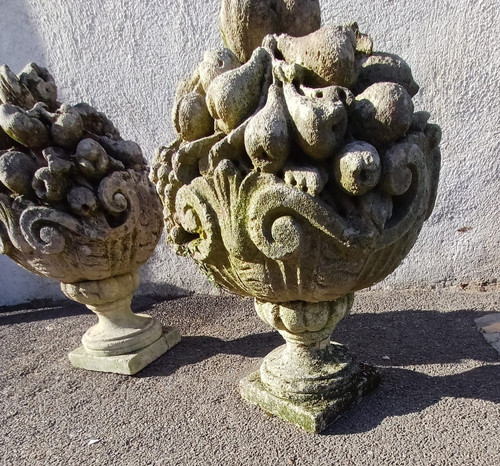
x,y
357,168
76,206
234,95
328,53
216,62
257,18
193,120
382,114
315,184
23,128
41,84
16,172
319,118
380,67
266,136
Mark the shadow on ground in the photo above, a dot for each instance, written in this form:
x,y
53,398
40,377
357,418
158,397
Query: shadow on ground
x,y
39,310
404,391
394,341
407,338
404,338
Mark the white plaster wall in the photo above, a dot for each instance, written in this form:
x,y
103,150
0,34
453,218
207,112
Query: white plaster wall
x,y
125,57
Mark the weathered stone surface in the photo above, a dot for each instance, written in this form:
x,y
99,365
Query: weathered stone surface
x,y
127,364
384,67
76,205
382,114
119,330
357,168
319,50
313,185
244,23
234,95
311,416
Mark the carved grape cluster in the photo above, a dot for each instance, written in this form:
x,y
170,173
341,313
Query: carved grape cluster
x,y
56,154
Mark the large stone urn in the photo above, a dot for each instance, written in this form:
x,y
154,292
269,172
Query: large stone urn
x,y
76,205
300,174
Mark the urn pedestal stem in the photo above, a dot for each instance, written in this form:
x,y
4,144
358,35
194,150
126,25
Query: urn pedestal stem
x,y
309,381
121,342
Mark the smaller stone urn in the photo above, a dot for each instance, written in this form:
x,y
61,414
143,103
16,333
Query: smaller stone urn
x,y
76,205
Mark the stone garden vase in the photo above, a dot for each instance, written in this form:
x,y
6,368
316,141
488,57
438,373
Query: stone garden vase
x,y
76,205
300,174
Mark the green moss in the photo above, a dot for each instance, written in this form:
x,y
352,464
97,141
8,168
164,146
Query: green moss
x,y
312,416
224,40
209,274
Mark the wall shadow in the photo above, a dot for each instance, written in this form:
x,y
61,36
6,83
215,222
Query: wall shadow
x,y
20,41
44,309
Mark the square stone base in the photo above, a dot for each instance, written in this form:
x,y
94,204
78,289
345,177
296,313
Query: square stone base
x,y
312,416
128,364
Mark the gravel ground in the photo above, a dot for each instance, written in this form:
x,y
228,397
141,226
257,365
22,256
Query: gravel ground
x,y
438,404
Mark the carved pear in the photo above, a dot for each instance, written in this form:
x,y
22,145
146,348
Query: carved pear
x,y
193,121
244,23
23,128
234,95
329,54
215,63
266,136
320,121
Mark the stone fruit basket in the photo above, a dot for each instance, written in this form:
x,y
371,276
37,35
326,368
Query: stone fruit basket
x,y
301,173
76,205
